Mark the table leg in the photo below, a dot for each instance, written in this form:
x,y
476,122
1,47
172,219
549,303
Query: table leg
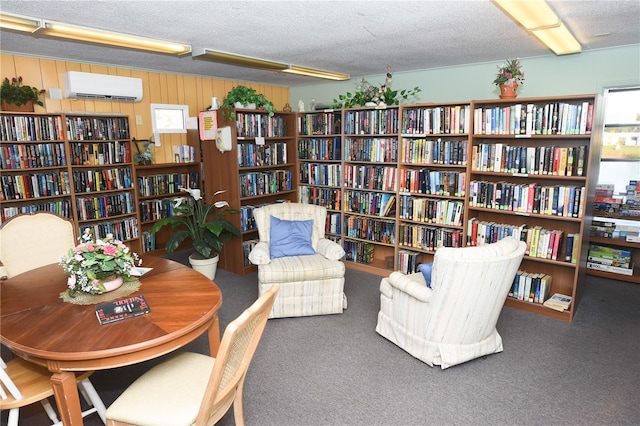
x,y
65,390
214,337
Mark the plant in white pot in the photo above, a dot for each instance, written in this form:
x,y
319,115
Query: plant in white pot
x,y
204,224
245,97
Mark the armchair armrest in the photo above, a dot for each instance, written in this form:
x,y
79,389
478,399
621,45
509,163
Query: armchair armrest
x,y
3,272
330,249
260,254
412,284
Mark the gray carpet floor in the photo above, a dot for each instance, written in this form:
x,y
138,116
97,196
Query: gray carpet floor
x,y
336,370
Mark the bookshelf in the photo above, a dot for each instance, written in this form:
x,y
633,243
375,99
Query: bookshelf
x,y
617,242
158,187
260,169
533,171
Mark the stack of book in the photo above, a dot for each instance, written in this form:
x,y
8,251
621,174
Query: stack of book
x,y
610,259
605,201
559,302
631,206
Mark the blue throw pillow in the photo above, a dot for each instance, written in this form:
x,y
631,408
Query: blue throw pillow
x,y
425,268
290,238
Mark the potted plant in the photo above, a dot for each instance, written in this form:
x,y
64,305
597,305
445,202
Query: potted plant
x,y
14,92
243,97
204,224
367,94
509,76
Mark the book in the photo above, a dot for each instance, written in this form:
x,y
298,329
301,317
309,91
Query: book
x,y
610,268
559,302
120,309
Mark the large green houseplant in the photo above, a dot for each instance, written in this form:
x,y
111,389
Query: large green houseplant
x,y
15,92
245,96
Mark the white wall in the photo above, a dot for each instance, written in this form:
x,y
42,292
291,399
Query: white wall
x,y
582,73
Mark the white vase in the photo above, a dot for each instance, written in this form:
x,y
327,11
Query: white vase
x,y
249,106
206,267
370,104
113,284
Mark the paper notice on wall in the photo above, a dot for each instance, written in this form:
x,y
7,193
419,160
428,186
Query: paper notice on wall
x,y
208,124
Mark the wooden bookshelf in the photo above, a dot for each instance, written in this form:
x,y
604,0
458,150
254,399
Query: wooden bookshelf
x,y
260,169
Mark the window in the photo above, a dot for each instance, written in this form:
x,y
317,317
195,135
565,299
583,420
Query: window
x,y
169,118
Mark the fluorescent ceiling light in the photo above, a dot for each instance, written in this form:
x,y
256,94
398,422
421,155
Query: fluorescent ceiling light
x,y
537,17
19,23
310,72
73,32
239,60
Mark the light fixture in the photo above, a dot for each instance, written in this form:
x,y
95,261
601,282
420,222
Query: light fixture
x,y
19,23
310,72
239,60
74,32
537,17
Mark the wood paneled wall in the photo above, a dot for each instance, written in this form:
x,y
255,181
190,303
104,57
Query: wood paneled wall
x,y
196,92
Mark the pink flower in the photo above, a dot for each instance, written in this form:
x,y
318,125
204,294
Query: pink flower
x,y
71,281
110,250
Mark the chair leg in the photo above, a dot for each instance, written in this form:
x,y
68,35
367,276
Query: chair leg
x,y
92,397
14,413
50,411
238,410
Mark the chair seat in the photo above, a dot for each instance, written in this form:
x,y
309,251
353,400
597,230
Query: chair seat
x,y
299,268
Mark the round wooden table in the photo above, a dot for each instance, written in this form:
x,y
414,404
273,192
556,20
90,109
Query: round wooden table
x,y
39,327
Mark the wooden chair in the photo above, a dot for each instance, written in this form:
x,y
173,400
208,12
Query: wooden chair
x,y
28,241
195,389
24,383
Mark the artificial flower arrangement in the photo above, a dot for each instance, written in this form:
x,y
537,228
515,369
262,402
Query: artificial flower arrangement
x,y
508,72
192,219
92,262
14,92
380,95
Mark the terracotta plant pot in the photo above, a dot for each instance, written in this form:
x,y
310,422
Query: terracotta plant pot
x,y
508,91
28,107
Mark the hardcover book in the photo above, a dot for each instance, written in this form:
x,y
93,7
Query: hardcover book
x,y
120,309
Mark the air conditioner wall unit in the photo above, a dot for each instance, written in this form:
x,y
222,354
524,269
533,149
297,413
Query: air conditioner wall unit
x,y
85,85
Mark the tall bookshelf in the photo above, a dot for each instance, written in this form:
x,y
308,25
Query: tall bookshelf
x,y
260,169
533,171
158,187
77,165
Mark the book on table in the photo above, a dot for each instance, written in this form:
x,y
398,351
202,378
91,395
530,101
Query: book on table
x,y
120,309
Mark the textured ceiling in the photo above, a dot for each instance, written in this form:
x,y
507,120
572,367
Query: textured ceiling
x,y
355,37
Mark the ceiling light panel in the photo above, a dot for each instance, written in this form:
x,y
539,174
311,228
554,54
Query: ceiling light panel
x,y
310,72
559,39
19,23
238,60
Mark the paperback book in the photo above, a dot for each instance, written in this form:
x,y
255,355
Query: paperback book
x,y
120,309
559,302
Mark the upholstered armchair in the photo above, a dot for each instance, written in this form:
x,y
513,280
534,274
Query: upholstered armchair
x,y
293,253
454,320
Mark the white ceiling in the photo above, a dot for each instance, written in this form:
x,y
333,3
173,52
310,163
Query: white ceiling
x,y
359,38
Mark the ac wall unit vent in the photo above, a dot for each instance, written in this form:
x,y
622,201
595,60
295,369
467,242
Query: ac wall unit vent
x,y
85,85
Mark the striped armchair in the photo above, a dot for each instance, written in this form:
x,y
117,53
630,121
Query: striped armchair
x,y
454,321
310,284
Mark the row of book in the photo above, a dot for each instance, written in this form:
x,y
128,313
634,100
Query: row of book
x,y
531,160
100,207
541,243
371,203
328,197
148,241
102,179
431,210
325,149
358,251
321,174
609,229
152,210
96,129
327,123
372,150
565,201
31,128
377,178
270,154
31,156
557,118
428,238
531,287
433,182
247,246
183,154
439,151
34,185
59,207
333,224
371,122
262,183
100,153
167,183
122,229
436,120
610,259
366,228
408,261
251,125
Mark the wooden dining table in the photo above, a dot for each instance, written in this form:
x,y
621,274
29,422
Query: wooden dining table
x,y
37,325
